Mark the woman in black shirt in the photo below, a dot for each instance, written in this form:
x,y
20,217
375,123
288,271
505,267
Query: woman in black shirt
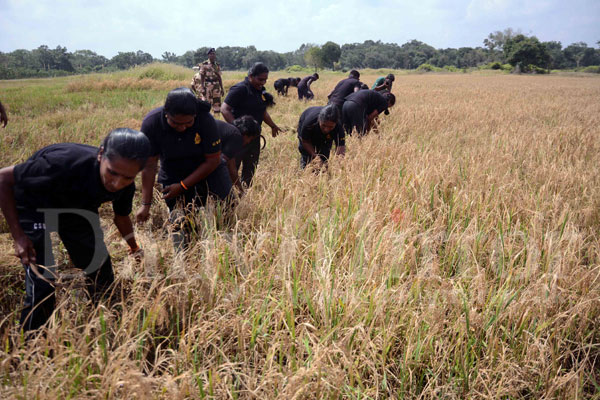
x,y
60,188
249,97
362,108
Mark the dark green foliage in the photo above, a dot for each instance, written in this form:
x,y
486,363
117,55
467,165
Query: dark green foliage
x,y
500,47
526,51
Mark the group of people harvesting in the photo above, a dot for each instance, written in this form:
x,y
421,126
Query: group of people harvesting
x,y
61,187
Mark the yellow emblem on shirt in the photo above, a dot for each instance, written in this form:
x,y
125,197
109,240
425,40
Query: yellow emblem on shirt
x,y
264,98
216,143
197,139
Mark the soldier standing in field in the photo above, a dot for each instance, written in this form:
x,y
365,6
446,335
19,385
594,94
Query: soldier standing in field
x,y
207,83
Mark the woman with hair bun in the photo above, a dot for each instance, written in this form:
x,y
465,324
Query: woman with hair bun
x,y
249,97
60,188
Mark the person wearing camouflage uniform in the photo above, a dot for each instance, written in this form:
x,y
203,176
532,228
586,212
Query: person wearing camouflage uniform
x,y
207,83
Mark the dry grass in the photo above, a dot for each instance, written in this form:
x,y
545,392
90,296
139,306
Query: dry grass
x,y
453,255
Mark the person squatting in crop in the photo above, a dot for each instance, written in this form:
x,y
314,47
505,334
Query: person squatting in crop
x,y
61,187
249,97
318,129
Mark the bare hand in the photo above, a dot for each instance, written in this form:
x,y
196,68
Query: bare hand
x,y
142,214
24,250
172,191
275,130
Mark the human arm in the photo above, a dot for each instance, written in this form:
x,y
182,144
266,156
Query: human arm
x,y
340,150
3,116
370,118
125,228
233,173
308,146
227,112
211,163
274,128
148,177
23,245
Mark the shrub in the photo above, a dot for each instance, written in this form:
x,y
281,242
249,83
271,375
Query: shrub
x,y
451,68
295,68
534,69
427,68
593,69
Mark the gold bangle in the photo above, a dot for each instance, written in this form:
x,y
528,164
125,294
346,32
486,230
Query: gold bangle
x,y
183,185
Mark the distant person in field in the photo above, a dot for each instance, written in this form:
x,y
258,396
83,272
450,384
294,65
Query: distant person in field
x,y
384,83
207,83
72,181
360,110
304,91
318,129
282,85
3,116
236,139
184,136
343,89
250,97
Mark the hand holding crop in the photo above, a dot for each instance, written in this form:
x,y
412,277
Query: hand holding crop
x,y
24,250
172,191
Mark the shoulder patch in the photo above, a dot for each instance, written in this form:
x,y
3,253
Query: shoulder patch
x,y
197,139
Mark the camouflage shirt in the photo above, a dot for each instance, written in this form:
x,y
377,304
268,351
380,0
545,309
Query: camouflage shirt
x,y
211,72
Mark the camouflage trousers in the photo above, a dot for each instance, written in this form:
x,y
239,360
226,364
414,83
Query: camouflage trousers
x,y
211,92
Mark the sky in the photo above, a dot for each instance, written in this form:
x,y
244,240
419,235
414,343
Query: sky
x,y
111,26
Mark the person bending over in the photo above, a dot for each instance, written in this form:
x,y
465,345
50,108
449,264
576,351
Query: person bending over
x,y
361,109
318,129
304,91
60,188
236,139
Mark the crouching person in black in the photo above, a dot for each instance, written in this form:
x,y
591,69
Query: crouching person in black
x,y
282,85
236,139
184,136
60,188
318,128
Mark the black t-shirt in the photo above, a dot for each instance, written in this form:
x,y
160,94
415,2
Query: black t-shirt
x,y
370,100
231,139
181,153
343,89
307,80
310,130
244,99
66,175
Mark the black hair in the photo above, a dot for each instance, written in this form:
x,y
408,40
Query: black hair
x,y
329,113
181,101
391,99
364,86
316,76
354,74
268,97
391,77
247,126
128,144
258,69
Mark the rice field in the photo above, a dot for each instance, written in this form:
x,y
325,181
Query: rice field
x,y
455,253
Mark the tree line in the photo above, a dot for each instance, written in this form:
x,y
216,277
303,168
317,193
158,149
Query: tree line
x,y
500,48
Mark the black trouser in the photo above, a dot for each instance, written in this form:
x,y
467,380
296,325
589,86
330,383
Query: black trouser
x,y
248,159
81,243
354,117
305,92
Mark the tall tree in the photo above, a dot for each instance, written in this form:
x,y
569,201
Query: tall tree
x,y
526,51
331,53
